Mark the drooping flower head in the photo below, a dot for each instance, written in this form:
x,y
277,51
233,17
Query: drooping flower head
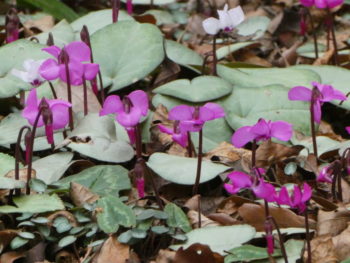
x,y
54,113
31,74
177,134
322,3
74,54
325,176
297,199
193,118
12,26
262,130
128,111
260,188
228,20
321,93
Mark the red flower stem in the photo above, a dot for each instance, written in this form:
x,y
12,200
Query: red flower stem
x,y
331,26
313,32
189,144
199,163
69,92
312,122
115,10
280,238
215,59
307,228
30,151
52,90
85,97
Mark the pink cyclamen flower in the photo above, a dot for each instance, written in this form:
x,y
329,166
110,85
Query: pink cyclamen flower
x,y
262,130
178,135
76,53
228,20
322,93
322,3
54,113
128,111
325,175
31,72
260,188
193,118
297,199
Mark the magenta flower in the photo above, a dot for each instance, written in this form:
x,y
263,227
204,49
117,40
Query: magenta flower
x,y
262,130
325,175
177,134
260,188
322,3
323,93
76,53
128,111
193,118
129,6
54,113
297,199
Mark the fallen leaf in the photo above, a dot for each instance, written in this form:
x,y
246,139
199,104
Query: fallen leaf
x,y
6,237
169,71
197,253
165,256
223,219
81,195
112,252
11,257
231,204
44,23
332,222
205,221
322,250
226,153
342,243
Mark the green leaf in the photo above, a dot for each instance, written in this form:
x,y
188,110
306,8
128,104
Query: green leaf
x,y
9,183
37,185
114,213
62,34
7,164
61,224
294,249
40,220
142,42
67,241
248,253
167,101
182,170
159,229
255,25
100,179
18,242
338,77
34,204
149,213
54,7
97,20
324,144
12,56
219,238
225,50
162,17
26,235
138,233
51,168
182,55
200,89
148,2
308,50
177,218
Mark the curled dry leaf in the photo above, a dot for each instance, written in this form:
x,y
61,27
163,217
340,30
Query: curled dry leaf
x,y
223,219
226,153
332,222
81,195
208,204
231,204
12,256
342,243
322,250
44,23
65,214
197,253
6,237
205,221
112,251
254,215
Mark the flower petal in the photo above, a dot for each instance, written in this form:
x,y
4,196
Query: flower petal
x,y
300,93
52,50
281,130
236,16
283,197
242,136
130,119
31,109
60,113
329,93
240,180
181,138
307,193
91,70
78,51
211,25
265,191
139,99
76,71
49,69
307,3
218,111
181,113
112,104
206,114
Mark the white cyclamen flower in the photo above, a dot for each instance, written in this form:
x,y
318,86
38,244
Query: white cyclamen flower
x,y
228,20
31,73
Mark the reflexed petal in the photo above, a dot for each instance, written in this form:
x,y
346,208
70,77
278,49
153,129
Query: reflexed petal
x,y
324,176
224,18
306,193
23,75
130,119
329,93
240,180
191,125
53,50
317,111
181,138
334,3
297,195
132,134
60,114
76,71
307,3
231,189
236,16
139,99
112,104
206,114
165,129
242,136
283,197
321,3
265,191
281,130
218,111
32,100
300,93
31,109
78,51
262,129
91,70
347,129
181,113
49,69
211,25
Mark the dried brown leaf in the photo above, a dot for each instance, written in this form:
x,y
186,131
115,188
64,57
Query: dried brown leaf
x,y
165,256
226,153
112,252
11,257
197,253
81,195
6,237
332,222
322,250
342,243
205,221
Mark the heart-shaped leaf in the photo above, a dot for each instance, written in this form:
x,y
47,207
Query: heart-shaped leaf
x,y
143,44
255,25
182,170
7,163
182,55
200,89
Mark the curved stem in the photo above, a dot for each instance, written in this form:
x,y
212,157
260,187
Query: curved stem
x,y
52,90
215,59
189,144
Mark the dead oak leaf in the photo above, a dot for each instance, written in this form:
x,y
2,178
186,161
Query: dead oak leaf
x,y
112,252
